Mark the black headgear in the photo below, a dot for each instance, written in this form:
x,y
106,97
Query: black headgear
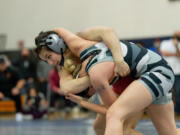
x,y
2,59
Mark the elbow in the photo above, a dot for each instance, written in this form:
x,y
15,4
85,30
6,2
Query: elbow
x,y
65,87
109,29
107,32
58,30
62,85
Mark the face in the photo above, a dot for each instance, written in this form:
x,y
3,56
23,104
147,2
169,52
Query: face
x,y
3,67
32,92
50,57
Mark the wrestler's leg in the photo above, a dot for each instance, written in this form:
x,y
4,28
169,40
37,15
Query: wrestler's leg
x,y
99,75
178,131
163,118
100,124
133,100
130,124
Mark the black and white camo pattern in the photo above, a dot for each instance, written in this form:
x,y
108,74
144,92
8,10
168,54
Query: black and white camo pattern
x,y
146,66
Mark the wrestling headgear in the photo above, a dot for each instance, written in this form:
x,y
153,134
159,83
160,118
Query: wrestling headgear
x,y
54,42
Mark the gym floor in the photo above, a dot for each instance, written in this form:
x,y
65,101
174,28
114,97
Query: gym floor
x,y
62,127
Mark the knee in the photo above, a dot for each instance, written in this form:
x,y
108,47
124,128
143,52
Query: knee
x,y
113,114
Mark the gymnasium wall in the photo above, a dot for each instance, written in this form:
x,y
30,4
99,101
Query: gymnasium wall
x,y
24,19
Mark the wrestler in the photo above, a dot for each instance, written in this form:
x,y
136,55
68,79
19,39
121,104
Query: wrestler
x,y
151,89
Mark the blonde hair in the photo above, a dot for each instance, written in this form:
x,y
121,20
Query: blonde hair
x,y
72,63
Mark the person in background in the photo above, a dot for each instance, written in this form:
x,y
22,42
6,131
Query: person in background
x,y
10,85
57,99
20,44
43,70
156,46
170,50
35,103
27,67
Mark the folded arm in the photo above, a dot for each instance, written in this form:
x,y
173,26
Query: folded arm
x,y
70,85
110,38
106,34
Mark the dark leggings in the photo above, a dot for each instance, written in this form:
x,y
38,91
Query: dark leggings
x,y
17,100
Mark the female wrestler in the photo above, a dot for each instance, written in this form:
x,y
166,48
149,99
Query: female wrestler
x,y
67,83
151,89
118,88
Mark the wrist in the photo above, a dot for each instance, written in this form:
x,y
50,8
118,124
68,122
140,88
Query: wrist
x,y
119,60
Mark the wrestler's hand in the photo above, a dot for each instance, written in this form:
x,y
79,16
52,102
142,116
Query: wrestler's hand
x,y
121,68
74,98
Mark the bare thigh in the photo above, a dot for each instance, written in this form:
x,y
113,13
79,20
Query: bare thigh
x,y
133,100
129,124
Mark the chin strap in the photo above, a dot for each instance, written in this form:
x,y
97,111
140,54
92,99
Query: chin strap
x,y
62,59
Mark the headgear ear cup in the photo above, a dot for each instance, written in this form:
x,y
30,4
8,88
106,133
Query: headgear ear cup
x,y
55,43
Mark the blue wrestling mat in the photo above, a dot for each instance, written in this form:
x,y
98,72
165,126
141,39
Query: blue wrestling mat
x,y
62,127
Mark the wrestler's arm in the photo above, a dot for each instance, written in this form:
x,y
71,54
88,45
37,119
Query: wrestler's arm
x,y
88,105
164,53
110,38
106,34
98,33
70,38
66,35
176,42
70,85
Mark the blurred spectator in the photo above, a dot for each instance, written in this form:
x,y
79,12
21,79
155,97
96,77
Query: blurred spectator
x,y
177,33
170,49
10,84
27,67
156,46
140,44
56,99
43,70
20,44
35,103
